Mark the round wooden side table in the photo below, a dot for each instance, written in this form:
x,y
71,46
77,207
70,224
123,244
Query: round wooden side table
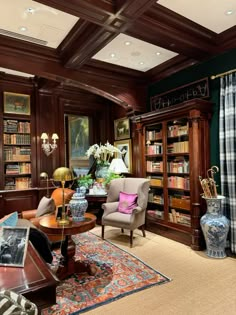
x,y
49,225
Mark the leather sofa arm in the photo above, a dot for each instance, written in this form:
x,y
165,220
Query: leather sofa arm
x,y
28,214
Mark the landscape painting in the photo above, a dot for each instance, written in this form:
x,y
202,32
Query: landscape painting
x,y
16,103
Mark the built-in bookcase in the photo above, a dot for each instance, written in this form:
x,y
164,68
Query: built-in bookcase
x,y
17,153
175,146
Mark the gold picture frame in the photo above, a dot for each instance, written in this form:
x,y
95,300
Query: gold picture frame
x,y
15,103
122,128
127,157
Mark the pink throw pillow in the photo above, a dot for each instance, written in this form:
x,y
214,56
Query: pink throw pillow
x,y
127,202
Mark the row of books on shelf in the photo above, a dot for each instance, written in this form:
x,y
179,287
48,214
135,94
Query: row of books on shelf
x,y
153,134
17,153
178,147
177,130
17,183
158,214
178,182
178,166
180,218
16,138
154,166
155,148
10,125
156,181
180,201
20,168
154,198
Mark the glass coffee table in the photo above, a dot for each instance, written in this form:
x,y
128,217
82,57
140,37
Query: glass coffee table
x,y
69,265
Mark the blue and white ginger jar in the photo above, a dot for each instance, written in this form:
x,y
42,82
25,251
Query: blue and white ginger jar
x,y
78,204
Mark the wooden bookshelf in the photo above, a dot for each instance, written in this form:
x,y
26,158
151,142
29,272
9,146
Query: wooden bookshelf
x,y
17,153
175,151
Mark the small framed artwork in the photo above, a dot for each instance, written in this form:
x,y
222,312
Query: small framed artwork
x,y
122,128
13,246
58,212
16,103
126,147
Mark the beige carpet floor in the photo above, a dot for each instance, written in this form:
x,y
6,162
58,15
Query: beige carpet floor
x,y
199,286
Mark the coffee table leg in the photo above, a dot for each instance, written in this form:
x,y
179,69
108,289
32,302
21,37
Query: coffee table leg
x,y
69,265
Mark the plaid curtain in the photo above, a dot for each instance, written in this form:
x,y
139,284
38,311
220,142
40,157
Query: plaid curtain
x,y
227,135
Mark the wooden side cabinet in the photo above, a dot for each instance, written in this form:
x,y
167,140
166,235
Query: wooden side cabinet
x,y
174,146
18,200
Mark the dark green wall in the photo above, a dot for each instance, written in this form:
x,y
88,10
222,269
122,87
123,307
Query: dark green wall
x,y
208,68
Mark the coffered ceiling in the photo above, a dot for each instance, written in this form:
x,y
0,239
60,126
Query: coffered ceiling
x,y
112,47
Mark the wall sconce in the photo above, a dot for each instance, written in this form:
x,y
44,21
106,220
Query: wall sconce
x,y
47,147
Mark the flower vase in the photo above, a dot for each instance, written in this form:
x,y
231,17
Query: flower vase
x,y
102,171
78,204
215,227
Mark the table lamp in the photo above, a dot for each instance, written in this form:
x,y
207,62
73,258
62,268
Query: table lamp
x,y
63,175
118,166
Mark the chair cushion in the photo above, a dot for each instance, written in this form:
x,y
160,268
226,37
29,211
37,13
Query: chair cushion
x,y
9,220
46,205
127,202
17,304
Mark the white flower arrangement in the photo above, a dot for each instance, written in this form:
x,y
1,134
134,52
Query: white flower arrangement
x,y
102,153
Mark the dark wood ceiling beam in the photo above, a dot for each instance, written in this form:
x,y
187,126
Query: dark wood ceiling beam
x,y
83,43
30,49
133,9
120,91
169,68
227,40
171,31
86,38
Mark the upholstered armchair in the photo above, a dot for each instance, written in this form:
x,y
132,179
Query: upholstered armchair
x,y
115,213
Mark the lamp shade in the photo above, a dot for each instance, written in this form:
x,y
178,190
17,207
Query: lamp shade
x,y
55,136
44,136
117,166
44,175
62,174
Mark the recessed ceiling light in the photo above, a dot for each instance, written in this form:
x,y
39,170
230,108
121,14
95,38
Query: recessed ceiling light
x,y
141,63
30,10
229,12
158,53
127,43
112,55
23,28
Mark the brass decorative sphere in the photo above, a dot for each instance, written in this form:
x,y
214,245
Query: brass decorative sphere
x,y
62,174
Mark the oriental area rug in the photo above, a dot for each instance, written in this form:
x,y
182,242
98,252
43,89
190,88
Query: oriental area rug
x,y
118,274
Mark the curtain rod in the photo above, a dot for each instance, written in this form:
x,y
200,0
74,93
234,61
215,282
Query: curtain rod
x,y
222,74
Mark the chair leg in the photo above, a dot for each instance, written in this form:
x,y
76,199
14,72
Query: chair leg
x,y
103,229
122,230
143,230
131,239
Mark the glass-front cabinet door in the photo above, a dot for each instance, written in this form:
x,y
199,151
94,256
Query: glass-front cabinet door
x,y
154,170
178,181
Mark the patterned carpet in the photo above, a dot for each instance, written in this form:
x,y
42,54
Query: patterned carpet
x,y
119,274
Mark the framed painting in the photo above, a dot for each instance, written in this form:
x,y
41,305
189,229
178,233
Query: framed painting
x,y
122,128
13,246
58,212
126,147
16,103
78,141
